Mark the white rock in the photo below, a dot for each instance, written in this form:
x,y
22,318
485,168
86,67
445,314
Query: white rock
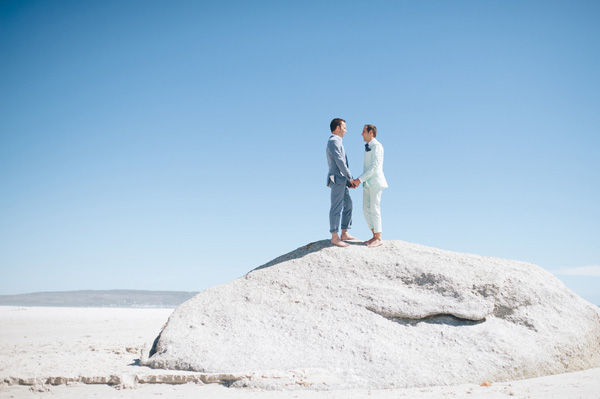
x,y
128,381
401,315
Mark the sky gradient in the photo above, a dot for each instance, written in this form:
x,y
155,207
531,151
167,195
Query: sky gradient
x,y
176,146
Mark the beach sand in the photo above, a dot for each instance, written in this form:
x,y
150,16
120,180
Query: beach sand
x,y
72,345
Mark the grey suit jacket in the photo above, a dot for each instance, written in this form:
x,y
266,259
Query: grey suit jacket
x,y
338,162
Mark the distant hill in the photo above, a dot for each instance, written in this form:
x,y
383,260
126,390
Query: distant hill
x,y
104,299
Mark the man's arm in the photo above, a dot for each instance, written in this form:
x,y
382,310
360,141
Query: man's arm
x,y
336,151
375,165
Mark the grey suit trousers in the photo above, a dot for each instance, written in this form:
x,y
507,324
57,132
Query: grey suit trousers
x,y
341,203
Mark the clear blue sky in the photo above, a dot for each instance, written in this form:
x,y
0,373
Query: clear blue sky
x,y
177,145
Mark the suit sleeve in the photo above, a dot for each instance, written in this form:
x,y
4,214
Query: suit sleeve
x,y
375,165
340,161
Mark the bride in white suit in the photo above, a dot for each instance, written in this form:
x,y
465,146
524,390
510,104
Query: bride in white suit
x,y
373,182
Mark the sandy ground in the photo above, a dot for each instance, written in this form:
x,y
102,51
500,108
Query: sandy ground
x,y
37,343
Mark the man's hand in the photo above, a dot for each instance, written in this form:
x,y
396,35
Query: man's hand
x,y
354,183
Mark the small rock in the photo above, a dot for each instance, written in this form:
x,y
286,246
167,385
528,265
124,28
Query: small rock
x,y
128,381
39,388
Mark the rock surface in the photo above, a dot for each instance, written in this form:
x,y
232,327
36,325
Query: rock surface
x,y
401,315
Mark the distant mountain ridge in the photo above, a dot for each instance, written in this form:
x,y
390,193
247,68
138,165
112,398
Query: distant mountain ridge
x,y
100,298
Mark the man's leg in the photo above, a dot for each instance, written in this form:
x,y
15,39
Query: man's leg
x,y
347,215
376,217
367,211
337,203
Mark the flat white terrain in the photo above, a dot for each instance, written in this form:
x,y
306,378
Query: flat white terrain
x,y
97,343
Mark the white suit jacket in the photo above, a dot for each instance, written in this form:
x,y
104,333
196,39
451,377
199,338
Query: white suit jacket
x,y
373,170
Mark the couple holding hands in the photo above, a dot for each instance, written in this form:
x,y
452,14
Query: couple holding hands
x,y
340,179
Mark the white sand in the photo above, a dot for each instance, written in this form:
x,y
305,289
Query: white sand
x,y
74,342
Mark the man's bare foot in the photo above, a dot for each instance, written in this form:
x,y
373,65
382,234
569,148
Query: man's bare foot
x,y
375,243
346,236
336,241
372,239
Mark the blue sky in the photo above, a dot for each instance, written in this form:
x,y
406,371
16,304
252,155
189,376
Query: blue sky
x,y
177,145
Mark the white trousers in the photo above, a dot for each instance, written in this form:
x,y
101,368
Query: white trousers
x,y
372,207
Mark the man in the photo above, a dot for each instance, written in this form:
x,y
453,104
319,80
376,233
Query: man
x,y
338,181
373,184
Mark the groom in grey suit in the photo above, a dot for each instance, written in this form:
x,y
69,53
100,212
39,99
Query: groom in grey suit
x,y
338,180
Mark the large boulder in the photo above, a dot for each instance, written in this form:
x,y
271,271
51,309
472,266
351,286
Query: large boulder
x,y
401,315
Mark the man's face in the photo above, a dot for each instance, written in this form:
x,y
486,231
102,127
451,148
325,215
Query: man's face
x,y
341,129
366,135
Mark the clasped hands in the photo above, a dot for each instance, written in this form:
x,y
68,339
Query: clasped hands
x,y
354,183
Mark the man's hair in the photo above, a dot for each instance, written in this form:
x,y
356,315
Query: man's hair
x,y
335,123
372,128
